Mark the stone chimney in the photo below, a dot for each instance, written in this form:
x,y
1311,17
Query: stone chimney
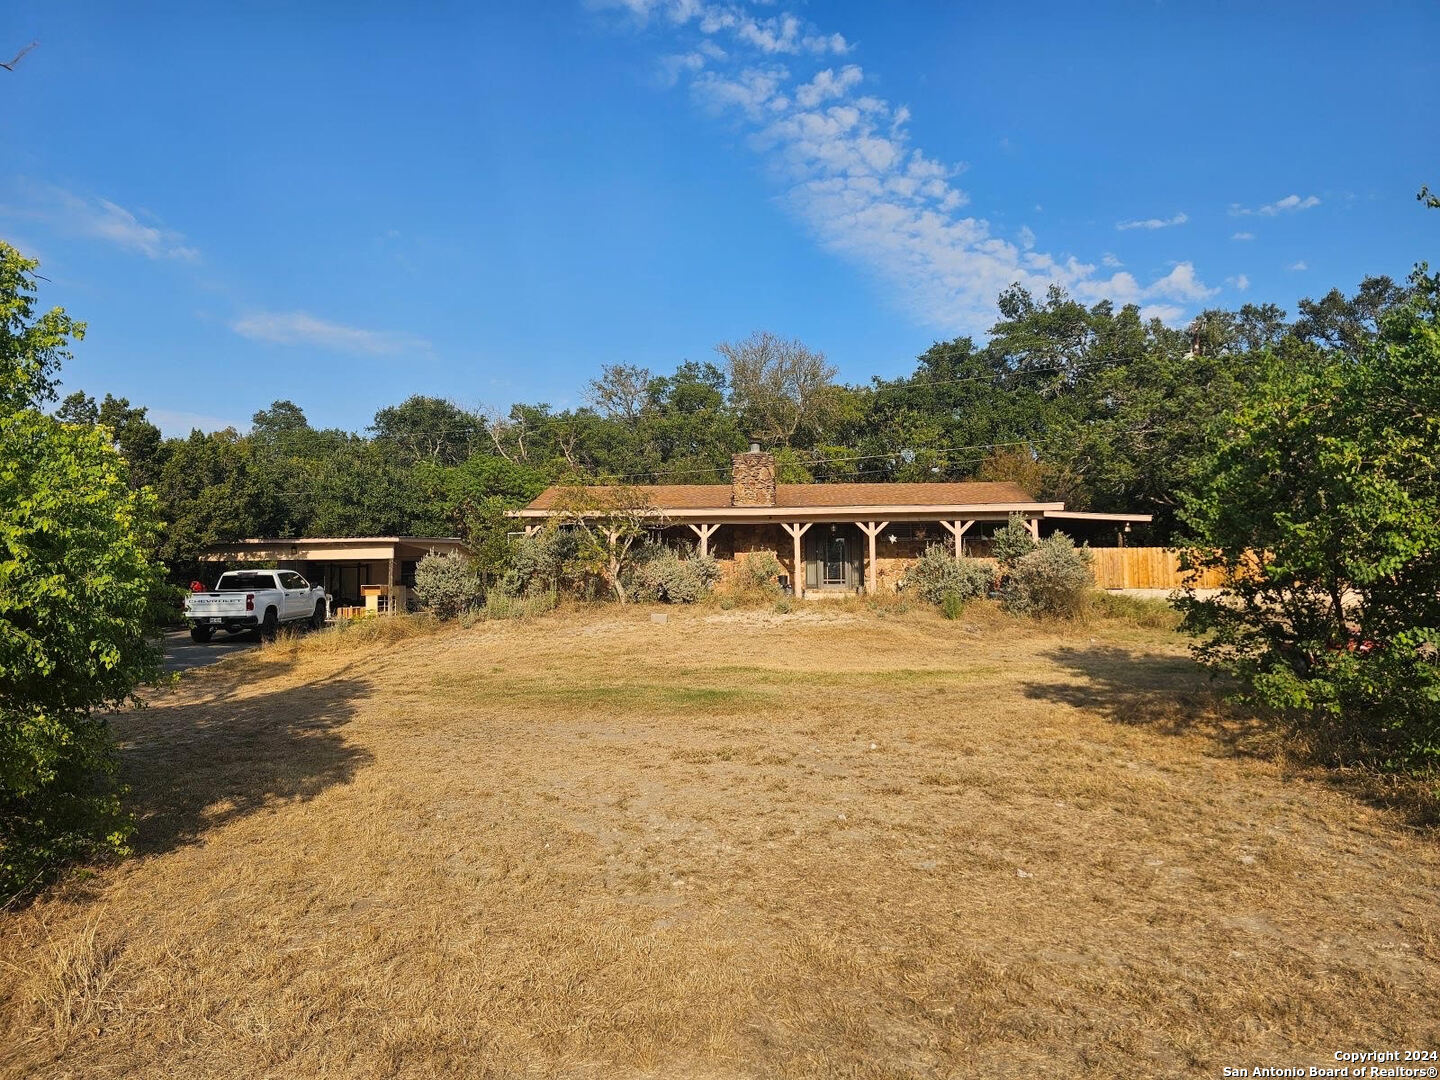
x,y
752,478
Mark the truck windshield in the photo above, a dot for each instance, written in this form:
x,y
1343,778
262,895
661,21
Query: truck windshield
x,y
243,581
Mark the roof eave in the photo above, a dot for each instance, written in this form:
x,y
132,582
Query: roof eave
x,y
801,513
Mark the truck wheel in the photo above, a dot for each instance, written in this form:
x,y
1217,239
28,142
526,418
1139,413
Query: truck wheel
x,y
317,621
200,634
269,626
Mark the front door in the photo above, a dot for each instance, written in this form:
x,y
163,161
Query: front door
x,y
834,561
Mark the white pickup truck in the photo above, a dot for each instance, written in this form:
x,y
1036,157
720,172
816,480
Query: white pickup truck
x,y
255,600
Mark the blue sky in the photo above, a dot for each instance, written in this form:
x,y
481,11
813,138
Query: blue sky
x,y
349,203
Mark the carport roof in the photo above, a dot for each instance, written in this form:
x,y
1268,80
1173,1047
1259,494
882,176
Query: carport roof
x,y
331,548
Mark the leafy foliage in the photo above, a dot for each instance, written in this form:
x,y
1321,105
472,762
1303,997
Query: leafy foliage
x,y
607,523
664,575
537,563
938,575
1013,541
756,577
79,593
447,584
1054,580
1322,507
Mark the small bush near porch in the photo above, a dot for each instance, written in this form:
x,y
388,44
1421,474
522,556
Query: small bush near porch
x,y
938,575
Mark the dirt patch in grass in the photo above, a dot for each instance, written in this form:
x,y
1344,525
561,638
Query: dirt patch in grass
x,y
591,845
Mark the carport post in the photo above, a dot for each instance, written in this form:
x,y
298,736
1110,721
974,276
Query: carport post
x,y
390,584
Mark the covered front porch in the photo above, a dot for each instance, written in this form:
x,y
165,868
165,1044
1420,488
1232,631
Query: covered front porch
x,y
835,553
841,555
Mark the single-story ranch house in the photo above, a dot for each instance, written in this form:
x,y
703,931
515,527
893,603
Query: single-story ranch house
x,y
841,538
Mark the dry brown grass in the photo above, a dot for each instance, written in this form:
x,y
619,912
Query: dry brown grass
x,y
833,843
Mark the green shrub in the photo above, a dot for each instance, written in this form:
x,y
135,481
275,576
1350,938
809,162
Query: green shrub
x,y
938,574
79,595
537,563
1053,580
784,606
757,577
1012,542
447,584
666,576
951,606
1321,511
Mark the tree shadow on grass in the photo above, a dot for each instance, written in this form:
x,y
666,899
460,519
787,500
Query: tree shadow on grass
x,y
193,766
1174,695
1170,694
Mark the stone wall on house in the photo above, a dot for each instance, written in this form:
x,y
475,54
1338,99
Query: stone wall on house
x,y
891,560
737,542
752,479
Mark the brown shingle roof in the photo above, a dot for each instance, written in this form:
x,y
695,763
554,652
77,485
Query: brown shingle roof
x,y
717,496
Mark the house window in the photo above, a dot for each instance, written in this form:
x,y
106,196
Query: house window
x,y
407,573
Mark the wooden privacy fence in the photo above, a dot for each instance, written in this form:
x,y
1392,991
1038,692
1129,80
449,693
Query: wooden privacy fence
x,y
1145,568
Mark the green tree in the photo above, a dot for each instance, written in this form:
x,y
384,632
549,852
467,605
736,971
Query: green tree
x,y
608,523
1322,507
782,389
429,429
78,596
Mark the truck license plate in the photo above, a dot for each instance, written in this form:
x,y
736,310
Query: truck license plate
x,y
212,620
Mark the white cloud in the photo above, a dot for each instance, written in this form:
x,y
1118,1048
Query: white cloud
x,y
1301,265
672,67
101,219
1288,204
778,34
1166,313
1239,281
1180,284
850,172
299,328
826,85
1243,236
1153,223
1109,259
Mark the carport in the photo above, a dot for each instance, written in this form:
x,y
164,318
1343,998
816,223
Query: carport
x,y
375,573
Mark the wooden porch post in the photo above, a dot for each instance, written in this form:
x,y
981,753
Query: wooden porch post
x,y
1033,524
796,531
871,529
390,584
957,529
704,531
531,530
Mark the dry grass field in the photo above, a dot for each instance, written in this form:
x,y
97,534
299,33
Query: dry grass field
x,y
739,844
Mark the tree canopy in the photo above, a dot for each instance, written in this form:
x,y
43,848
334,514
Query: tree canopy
x,y
79,594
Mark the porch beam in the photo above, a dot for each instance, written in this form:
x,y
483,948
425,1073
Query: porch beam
x,y
871,529
957,529
704,530
796,531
